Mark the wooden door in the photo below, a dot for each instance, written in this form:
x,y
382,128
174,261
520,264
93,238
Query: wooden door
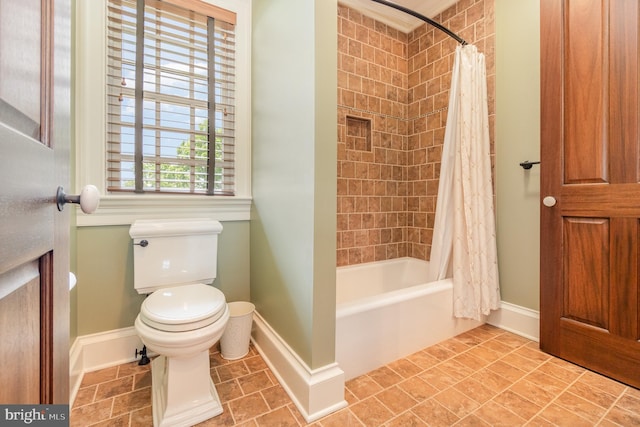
x,y
589,152
34,158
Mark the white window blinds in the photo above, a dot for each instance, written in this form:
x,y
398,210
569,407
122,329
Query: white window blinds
x,y
170,98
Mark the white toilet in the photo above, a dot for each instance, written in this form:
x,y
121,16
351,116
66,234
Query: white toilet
x,y
183,317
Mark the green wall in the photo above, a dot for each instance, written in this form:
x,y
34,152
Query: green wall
x,y
105,296
517,140
293,220
292,232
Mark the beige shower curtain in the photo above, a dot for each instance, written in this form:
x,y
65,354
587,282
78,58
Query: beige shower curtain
x,y
465,222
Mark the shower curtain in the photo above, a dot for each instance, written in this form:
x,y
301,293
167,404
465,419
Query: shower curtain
x,y
464,238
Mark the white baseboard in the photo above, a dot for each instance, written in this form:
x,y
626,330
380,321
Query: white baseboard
x,y
519,320
315,392
98,351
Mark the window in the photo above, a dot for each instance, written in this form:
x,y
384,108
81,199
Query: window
x,y
170,125
90,114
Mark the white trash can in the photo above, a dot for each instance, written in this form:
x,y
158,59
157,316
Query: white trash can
x,y
234,343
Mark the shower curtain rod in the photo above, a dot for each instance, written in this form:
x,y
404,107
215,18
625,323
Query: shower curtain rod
x,y
425,19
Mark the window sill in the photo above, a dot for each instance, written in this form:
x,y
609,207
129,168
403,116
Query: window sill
x,y
124,210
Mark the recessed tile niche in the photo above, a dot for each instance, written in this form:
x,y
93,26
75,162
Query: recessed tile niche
x,y
358,134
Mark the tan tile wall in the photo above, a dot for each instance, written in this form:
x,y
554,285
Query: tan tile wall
x,y
400,84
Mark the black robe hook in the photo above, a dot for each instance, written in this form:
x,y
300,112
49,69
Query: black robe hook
x,y
528,165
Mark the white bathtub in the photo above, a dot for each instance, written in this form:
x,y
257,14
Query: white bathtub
x,y
385,311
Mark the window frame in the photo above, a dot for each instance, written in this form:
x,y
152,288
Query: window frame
x,y
90,129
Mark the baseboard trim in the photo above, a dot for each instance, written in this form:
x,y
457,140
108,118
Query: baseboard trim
x,y
519,320
98,351
315,392
75,370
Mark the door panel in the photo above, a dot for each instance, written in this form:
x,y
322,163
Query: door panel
x,y
34,258
20,65
20,308
584,161
29,233
586,284
589,148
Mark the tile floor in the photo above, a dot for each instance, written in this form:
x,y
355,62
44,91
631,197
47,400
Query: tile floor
x,y
485,377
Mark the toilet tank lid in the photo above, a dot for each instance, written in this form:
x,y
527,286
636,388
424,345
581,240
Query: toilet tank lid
x,y
174,227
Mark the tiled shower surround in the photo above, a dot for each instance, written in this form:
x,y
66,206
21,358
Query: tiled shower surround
x,y
393,92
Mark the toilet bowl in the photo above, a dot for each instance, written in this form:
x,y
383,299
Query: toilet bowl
x,y
183,320
182,316
182,334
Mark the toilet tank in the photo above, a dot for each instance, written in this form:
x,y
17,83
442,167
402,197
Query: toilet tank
x,y
176,252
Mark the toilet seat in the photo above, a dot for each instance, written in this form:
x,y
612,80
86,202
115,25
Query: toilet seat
x,y
183,308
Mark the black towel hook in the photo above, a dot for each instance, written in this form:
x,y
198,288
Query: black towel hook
x,y
526,165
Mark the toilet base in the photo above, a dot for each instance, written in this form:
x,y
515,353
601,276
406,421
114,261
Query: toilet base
x,y
182,391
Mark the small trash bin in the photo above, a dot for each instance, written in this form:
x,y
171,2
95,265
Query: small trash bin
x,y
234,343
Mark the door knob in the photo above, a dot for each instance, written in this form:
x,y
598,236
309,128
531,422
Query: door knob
x,y
549,201
88,199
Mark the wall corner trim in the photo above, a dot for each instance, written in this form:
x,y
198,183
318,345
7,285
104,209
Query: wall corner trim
x,y
315,392
519,320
